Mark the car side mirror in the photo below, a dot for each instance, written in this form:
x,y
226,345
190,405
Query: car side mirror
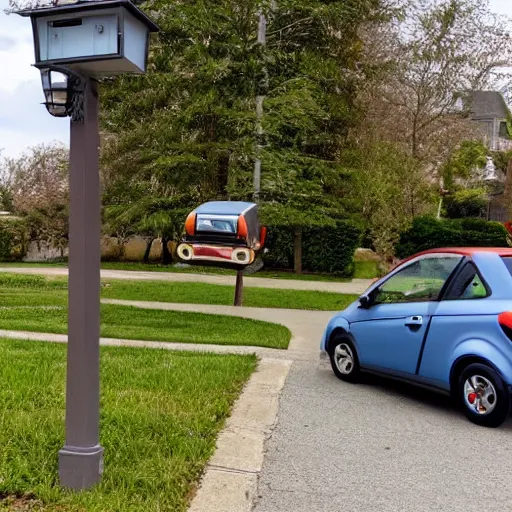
x,y
365,302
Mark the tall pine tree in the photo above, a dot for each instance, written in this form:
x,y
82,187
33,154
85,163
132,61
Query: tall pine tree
x,y
186,132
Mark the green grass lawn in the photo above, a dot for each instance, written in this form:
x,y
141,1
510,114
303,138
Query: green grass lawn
x,y
160,414
38,304
202,293
155,267
188,293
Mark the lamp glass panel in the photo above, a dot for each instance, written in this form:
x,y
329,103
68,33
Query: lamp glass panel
x,y
57,110
58,80
59,97
45,78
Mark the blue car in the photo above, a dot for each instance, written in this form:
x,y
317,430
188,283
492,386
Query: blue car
x,y
441,319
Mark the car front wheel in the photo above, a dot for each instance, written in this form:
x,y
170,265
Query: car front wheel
x,y
483,395
344,362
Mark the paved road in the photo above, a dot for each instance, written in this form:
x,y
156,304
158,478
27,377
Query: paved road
x,y
379,447
356,287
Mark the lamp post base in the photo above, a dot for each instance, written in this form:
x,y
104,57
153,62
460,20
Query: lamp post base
x,y
80,468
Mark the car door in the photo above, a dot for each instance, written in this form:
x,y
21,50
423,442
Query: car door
x,y
462,314
390,333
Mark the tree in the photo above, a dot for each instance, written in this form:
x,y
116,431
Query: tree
x,y
36,184
465,162
187,129
312,56
388,191
180,128
5,194
437,49
172,137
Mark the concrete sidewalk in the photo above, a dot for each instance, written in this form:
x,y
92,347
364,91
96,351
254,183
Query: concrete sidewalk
x,y
355,287
306,328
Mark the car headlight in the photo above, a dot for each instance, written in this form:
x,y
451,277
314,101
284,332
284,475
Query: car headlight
x,y
185,252
242,256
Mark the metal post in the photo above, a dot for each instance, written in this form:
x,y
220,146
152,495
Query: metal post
x,y
239,288
262,40
81,459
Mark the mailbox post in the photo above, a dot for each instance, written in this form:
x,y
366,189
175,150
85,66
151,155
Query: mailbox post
x,y
76,44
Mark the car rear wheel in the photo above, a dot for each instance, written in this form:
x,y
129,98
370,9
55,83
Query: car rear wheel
x,y
483,395
344,362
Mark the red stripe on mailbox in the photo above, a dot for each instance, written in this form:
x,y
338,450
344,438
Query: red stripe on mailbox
x,y
212,252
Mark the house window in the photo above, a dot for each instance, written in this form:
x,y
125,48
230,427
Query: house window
x,y
504,130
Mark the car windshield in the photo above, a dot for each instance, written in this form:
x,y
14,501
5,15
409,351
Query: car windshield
x,y
222,224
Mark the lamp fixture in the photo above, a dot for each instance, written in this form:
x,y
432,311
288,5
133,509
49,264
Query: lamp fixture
x,y
63,91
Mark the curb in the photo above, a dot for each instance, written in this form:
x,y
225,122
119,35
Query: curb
x,y
229,483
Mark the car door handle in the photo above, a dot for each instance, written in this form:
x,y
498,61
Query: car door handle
x,y
414,321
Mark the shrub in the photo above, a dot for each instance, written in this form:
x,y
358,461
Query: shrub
x,y
430,233
327,249
467,203
279,244
13,239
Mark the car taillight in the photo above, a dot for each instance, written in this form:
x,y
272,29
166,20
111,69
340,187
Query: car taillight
x,y
190,224
242,227
263,235
505,321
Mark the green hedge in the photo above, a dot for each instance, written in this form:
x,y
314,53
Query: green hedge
x,y
430,233
326,249
13,239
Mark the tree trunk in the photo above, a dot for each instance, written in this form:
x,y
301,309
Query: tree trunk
x,y
223,176
297,251
239,288
439,208
166,256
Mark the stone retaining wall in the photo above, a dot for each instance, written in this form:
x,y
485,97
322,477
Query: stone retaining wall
x,y
134,249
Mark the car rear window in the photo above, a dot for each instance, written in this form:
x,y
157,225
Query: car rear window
x,y
508,264
221,224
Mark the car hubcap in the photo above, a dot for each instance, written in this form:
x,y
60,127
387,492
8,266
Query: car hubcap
x,y
480,395
344,358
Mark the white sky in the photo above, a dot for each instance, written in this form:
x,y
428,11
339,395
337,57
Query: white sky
x,y
24,121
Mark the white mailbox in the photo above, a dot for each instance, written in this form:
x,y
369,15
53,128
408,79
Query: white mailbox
x,y
98,38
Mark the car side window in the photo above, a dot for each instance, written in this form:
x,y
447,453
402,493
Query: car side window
x,y
421,281
467,285
475,289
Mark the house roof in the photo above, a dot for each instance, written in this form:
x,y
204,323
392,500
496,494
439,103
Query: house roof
x,y
487,105
224,207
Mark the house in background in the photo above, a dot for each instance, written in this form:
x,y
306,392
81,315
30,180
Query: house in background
x,y
489,111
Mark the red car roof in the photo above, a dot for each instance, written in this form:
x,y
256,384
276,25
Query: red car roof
x,y
463,251
468,251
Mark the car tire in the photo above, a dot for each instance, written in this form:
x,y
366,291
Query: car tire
x,y
483,395
344,361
